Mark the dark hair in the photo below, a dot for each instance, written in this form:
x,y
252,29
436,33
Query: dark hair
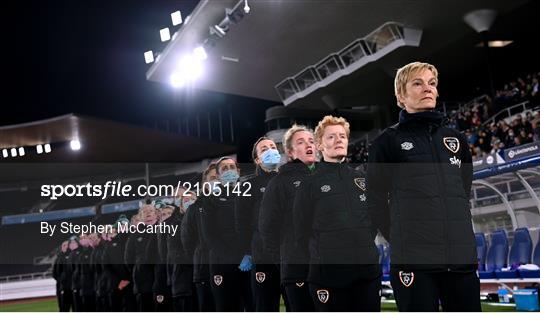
x,y
254,153
223,159
211,166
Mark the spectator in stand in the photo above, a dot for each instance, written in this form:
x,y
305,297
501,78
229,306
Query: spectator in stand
x,y
536,130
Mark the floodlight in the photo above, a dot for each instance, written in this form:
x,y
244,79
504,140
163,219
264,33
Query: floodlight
x,y
165,34
176,18
149,56
75,145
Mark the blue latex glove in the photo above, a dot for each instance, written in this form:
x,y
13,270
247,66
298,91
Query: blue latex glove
x,y
246,264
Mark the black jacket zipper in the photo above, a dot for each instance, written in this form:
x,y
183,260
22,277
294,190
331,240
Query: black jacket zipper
x,y
437,160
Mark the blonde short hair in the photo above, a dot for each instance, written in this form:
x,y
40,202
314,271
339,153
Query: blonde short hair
x,y
330,120
287,137
404,74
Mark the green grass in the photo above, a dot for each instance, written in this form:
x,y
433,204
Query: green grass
x,y
51,306
33,306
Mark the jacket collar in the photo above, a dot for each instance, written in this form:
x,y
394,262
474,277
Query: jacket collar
x,y
429,117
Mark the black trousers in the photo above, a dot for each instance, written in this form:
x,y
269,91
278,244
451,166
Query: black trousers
x,y
77,301
205,299
266,288
65,302
182,304
298,297
89,303
231,288
129,301
102,304
360,296
145,302
116,301
424,291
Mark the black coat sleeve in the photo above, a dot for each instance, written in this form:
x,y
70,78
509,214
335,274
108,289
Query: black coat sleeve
x,y
466,166
271,217
379,182
243,222
303,216
189,232
57,267
129,253
210,230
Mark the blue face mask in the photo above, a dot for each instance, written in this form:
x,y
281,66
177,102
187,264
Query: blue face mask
x,y
177,202
230,176
187,204
270,159
214,186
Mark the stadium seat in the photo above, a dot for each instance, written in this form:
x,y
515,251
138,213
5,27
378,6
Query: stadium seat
x,y
535,260
497,254
481,249
520,253
386,263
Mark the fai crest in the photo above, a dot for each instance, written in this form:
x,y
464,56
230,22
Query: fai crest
x,y
451,143
218,279
260,277
361,183
300,285
406,278
159,299
323,295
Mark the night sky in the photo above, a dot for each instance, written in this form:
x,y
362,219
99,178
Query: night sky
x,y
86,57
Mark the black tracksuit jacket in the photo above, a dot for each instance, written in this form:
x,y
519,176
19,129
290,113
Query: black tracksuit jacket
x,y
419,183
74,265
113,262
276,221
141,255
179,267
195,247
331,218
247,211
217,223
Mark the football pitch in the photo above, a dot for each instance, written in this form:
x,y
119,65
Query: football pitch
x,y
49,305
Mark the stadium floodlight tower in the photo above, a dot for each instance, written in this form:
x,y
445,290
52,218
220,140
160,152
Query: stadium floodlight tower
x,y
481,21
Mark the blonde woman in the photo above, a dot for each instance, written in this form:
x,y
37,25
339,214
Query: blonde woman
x,y
419,182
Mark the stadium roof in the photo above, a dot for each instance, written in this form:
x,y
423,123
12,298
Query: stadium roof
x,y
104,141
278,39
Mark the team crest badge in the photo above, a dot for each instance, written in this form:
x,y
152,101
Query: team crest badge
x,y
260,277
218,279
297,183
326,188
323,295
159,299
406,278
361,183
407,146
300,285
451,143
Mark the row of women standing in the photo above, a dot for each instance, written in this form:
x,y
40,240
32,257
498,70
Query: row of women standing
x,y
306,231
